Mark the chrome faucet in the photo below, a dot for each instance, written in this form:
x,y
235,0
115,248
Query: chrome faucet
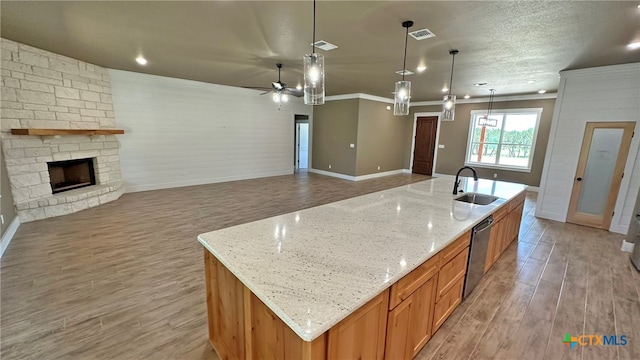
x,y
457,182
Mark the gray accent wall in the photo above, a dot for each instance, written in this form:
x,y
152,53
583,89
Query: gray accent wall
x,y
454,134
335,126
381,138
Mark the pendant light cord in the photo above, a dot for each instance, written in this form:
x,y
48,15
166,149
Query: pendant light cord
x,y
404,64
313,45
453,60
490,102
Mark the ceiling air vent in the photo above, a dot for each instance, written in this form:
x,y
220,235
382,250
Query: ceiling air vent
x,y
404,72
422,34
323,45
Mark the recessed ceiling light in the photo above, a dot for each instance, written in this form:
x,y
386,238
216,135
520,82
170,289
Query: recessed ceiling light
x,y
542,91
421,68
141,60
445,89
530,81
467,96
299,87
480,84
634,45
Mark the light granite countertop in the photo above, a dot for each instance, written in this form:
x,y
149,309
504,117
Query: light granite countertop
x,y
314,267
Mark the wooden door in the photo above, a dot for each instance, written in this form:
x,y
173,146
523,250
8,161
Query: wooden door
x,y
425,142
600,170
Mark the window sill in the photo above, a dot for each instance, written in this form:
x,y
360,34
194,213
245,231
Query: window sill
x,y
498,167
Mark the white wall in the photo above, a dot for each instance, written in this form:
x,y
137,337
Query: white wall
x,y
181,132
609,93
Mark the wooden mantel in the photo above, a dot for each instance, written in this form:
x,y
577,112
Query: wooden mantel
x,y
53,132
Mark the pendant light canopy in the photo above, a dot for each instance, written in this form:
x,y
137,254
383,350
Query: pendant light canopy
x,y
313,71
449,101
403,88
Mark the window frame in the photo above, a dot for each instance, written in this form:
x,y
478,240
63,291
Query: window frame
x,y
504,112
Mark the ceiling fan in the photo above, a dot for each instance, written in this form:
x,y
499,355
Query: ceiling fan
x,y
279,89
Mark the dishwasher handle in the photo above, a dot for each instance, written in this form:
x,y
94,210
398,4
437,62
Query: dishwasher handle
x,y
484,225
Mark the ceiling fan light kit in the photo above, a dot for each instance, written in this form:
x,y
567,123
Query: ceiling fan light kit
x,y
403,88
313,71
449,101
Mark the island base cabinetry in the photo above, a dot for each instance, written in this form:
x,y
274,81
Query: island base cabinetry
x,y
505,229
242,327
396,324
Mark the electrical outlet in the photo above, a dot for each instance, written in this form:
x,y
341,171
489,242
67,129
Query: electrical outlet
x,y
495,176
440,146
352,146
378,167
329,166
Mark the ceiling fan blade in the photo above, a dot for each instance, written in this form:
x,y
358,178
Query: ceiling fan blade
x,y
256,87
293,92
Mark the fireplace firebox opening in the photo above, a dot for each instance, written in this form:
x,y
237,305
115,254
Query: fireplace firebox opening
x,y
71,174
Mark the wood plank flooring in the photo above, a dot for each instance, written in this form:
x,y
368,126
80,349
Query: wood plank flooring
x,y
126,280
557,279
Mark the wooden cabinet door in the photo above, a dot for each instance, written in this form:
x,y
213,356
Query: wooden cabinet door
x,y
409,324
445,306
362,334
422,317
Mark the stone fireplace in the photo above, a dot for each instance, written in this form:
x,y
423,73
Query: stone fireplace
x,y
71,174
57,121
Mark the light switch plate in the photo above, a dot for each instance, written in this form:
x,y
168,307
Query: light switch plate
x,y
440,146
352,145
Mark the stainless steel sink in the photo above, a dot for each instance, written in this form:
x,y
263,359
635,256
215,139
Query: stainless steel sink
x,y
475,198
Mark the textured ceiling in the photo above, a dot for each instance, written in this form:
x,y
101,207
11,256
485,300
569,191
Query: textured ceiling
x,y
239,42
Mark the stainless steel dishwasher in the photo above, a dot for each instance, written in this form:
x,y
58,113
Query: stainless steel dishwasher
x,y
480,235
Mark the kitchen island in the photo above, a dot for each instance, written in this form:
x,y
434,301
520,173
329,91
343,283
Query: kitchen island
x,y
350,278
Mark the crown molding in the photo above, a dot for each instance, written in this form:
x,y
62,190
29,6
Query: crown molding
x,y
495,99
359,96
439,102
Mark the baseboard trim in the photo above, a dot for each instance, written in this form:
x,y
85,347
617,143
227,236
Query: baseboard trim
x,y
620,229
361,177
550,216
407,171
627,246
333,174
8,235
177,184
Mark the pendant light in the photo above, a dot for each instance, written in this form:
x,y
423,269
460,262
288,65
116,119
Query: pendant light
x,y
484,122
403,88
313,71
449,101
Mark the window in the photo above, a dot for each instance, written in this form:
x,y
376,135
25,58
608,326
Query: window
x,y
505,140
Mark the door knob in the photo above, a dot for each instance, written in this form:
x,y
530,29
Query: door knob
x,y
579,179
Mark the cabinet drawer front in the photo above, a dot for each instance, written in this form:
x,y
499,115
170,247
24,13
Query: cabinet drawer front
x,y
413,280
500,213
455,247
451,272
445,306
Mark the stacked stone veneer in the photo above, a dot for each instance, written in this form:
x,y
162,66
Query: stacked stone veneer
x,y
41,89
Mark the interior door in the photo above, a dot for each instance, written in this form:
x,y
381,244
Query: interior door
x,y
600,170
425,142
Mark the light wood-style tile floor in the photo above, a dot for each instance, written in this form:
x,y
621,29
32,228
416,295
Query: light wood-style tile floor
x,y
126,281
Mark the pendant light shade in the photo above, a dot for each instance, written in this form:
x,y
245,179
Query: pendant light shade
x,y
313,71
313,79
401,101
449,101
403,88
